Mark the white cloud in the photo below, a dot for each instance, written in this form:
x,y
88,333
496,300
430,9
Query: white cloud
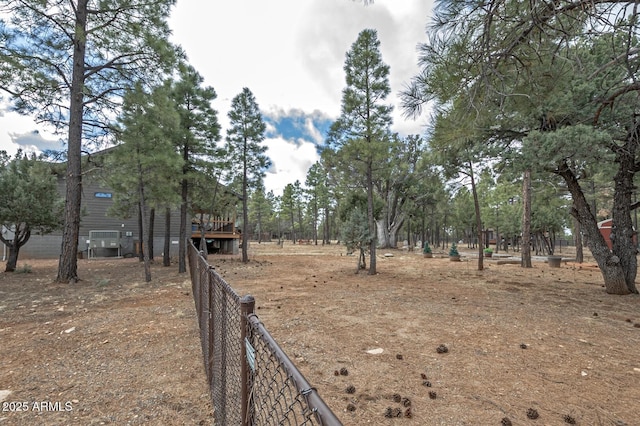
x,y
33,141
270,128
290,162
297,125
20,132
313,131
291,53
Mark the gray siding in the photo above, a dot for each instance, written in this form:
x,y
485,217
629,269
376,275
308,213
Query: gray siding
x,y
40,247
48,247
95,206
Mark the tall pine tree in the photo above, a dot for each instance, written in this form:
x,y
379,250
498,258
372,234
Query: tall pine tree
x,y
245,153
146,163
360,136
68,64
196,142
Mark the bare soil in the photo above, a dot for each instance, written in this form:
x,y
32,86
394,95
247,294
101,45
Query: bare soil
x,y
424,342
110,349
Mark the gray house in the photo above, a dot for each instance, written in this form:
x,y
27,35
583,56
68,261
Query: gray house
x,y
104,235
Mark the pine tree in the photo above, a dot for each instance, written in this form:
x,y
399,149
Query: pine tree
x,y
30,202
318,194
196,141
68,63
260,211
245,153
360,136
552,90
288,207
145,164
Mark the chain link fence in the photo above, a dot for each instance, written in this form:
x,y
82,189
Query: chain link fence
x,y
251,380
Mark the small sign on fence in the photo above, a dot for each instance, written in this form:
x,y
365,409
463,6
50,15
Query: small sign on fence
x,y
251,354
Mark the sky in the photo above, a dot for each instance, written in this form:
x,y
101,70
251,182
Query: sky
x,y
290,54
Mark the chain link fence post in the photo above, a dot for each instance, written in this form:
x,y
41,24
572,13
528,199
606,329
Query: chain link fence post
x,y
247,307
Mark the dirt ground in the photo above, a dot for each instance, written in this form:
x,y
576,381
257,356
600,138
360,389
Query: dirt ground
x,y
424,342
107,350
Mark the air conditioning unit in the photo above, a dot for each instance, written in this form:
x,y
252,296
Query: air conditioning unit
x,y
102,243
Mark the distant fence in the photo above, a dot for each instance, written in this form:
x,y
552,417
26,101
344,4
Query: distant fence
x,y
251,380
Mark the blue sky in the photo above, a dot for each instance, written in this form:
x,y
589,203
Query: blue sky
x,y
290,54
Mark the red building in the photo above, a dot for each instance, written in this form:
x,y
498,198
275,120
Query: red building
x,y
605,229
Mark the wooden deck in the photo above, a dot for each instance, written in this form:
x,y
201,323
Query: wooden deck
x,y
213,235
216,228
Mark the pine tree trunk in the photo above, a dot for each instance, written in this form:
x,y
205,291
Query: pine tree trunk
x,y
526,220
245,234
145,231
166,256
577,238
315,222
293,228
362,260
245,212
12,258
622,233
383,235
610,264
327,235
68,263
371,220
182,242
301,227
141,233
21,235
476,206
152,223
388,229
394,229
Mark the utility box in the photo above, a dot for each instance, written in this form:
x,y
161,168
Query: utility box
x,y
104,244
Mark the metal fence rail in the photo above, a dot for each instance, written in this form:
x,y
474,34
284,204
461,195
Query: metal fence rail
x,y
279,391
251,379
